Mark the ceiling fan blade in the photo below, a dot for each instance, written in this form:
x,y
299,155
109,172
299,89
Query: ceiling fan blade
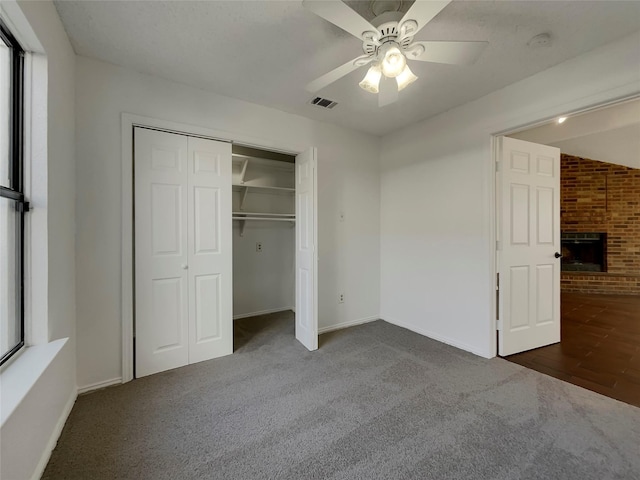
x,y
453,53
423,11
335,74
340,14
388,91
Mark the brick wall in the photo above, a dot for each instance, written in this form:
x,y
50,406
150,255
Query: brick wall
x,y
602,197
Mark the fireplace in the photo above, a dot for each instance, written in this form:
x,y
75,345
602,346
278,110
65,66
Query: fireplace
x,y
584,252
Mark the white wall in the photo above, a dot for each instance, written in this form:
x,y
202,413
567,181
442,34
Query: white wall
x,y
263,281
29,432
437,195
348,179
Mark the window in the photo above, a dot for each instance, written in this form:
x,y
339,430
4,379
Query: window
x,y
12,201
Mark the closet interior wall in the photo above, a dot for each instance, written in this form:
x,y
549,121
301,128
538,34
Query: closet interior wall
x,y
264,243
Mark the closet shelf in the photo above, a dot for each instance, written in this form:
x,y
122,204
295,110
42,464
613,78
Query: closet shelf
x,y
266,217
269,174
264,187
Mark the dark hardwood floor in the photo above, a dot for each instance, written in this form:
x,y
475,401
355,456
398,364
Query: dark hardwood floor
x,y
600,347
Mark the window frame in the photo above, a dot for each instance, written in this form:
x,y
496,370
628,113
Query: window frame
x,y
15,191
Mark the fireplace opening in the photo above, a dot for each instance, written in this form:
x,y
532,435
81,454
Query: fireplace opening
x,y
583,252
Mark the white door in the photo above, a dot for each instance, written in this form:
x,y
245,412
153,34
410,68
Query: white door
x,y
209,249
161,259
183,256
306,251
529,245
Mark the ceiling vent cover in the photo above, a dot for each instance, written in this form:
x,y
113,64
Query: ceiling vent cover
x,y
323,102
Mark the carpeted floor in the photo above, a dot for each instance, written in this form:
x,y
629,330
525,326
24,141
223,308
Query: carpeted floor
x,y
374,402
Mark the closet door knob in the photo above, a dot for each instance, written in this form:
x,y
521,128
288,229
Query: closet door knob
x,y
185,266
558,255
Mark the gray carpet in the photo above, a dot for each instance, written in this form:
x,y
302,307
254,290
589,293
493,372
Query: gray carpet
x,y
374,402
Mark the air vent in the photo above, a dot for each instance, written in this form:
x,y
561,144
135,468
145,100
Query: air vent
x,y
323,102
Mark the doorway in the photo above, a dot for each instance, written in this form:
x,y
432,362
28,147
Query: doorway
x,y
220,302
600,279
264,243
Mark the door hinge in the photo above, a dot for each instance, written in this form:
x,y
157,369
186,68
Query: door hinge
x,y
497,245
23,207
499,325
497,166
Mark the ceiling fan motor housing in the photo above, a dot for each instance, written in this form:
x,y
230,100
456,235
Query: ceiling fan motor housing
x,y
388,30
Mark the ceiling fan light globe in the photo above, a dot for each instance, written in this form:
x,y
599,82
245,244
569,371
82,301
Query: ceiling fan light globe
x,y
393,63
371,81
406,78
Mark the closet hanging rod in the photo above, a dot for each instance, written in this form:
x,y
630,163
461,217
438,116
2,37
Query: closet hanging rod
x,y
269,219
258,214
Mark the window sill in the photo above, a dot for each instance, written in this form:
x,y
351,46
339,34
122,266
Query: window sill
x,y
21,374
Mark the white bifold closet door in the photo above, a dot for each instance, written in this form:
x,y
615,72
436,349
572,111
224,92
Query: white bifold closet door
x,y
183,256
306,250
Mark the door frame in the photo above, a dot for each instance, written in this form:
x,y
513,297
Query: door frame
x,y
583,105
128,122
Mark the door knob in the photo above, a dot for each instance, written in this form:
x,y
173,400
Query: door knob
x,y
185,266
558,255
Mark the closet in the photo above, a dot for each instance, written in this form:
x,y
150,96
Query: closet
x,y
183,250
263,232
217,233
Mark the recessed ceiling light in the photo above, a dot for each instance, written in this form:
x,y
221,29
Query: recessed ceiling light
x,y
561,119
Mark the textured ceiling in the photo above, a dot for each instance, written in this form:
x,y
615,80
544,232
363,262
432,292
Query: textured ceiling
x,y
265,52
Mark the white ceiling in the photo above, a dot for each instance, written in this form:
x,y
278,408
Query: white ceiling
x,y
610,134
620,146
265,52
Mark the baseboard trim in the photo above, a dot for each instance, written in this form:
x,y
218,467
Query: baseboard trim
x,y
350,323
55,435
98,385
435,336
262,312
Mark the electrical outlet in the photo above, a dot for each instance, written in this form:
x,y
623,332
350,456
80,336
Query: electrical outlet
x,y
341,298
258,247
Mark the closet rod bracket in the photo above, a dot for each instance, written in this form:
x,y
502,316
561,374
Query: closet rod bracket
x,y
245,163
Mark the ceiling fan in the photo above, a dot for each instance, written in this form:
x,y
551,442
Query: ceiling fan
x,y
388,43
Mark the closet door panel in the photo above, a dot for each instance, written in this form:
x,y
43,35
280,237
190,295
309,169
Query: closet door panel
x,y
166,217
206,225
209,250
306,252
161,312
167,318
207,301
